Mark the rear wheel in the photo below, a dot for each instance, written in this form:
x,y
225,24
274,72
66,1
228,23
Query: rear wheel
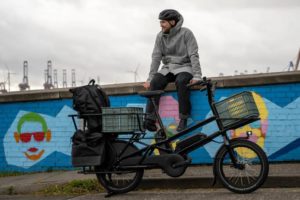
x,y
121,181
251,170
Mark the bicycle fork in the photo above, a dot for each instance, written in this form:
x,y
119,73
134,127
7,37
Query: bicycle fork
x,y
231,155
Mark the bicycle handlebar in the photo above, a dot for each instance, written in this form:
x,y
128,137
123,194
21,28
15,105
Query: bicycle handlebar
x,y
208,85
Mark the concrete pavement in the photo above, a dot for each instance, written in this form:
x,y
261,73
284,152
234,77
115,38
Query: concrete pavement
x,y
189,194
280,175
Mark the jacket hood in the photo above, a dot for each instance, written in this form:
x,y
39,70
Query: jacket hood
x,y
176,28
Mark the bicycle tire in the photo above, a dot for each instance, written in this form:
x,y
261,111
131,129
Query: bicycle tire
x,y
115,186
250,157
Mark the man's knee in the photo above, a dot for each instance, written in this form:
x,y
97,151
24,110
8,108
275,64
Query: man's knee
x,y
183,79
157,82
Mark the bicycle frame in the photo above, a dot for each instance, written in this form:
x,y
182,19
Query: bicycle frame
x,y
149,149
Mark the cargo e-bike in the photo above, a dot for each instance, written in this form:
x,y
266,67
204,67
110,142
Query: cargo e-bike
x,y
239,164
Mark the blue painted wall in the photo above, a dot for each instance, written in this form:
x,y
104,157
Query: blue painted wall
x,y
35,136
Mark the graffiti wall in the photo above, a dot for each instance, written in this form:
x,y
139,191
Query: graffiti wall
x,y
35,136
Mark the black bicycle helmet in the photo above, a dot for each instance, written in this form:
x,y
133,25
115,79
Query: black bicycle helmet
x,y
169,14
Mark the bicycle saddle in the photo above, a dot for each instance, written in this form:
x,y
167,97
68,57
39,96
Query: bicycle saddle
x,y
150,94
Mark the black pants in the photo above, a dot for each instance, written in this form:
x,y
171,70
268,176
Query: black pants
x,y
159,82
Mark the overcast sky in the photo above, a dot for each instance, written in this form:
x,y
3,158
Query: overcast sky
x,y
110,38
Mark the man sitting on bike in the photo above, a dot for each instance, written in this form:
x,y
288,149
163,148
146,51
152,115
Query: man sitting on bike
x,y
177,48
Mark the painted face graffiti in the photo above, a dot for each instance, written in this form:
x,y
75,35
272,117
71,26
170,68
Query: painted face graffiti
x,y
33,152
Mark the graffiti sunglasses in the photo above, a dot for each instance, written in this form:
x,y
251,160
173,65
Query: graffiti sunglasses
x,y
26,137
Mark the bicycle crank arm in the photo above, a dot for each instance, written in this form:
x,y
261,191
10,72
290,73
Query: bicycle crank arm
x,y
183,163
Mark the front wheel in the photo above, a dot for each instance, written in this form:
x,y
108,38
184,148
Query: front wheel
x,y
250,171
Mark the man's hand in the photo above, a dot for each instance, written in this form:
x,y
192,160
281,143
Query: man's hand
x,y
146,85
193,81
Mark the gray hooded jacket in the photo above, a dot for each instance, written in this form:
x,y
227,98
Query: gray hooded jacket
x,y
178,51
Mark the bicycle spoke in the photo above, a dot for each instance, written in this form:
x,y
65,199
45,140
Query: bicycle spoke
x,y
241,179
251,177
247,177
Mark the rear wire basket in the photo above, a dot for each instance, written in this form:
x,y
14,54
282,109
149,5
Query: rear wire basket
x,y
122,119
237,110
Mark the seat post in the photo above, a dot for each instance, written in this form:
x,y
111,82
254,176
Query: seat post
x,y
161,134
156,113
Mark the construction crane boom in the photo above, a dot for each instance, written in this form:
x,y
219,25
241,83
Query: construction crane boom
x,y
48,76
297,62
25,85
73,78
65,78
55,83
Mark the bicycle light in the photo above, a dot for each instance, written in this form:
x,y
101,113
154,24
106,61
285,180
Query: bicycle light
x,y
249,133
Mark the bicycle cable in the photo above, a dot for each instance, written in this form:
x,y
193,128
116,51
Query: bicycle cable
x,y
216,141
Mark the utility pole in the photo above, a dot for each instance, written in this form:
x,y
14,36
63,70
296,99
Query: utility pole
x,y
8,79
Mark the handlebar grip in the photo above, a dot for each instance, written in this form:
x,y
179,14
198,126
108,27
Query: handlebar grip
x,y
202,82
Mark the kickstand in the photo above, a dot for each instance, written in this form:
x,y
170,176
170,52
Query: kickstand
x,y
109,194
214,181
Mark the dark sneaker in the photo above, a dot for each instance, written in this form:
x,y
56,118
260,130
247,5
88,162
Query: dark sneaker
x,y
182,125
150,123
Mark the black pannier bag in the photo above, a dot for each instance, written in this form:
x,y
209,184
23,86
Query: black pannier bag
x,y
88,146
87,149
89,99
